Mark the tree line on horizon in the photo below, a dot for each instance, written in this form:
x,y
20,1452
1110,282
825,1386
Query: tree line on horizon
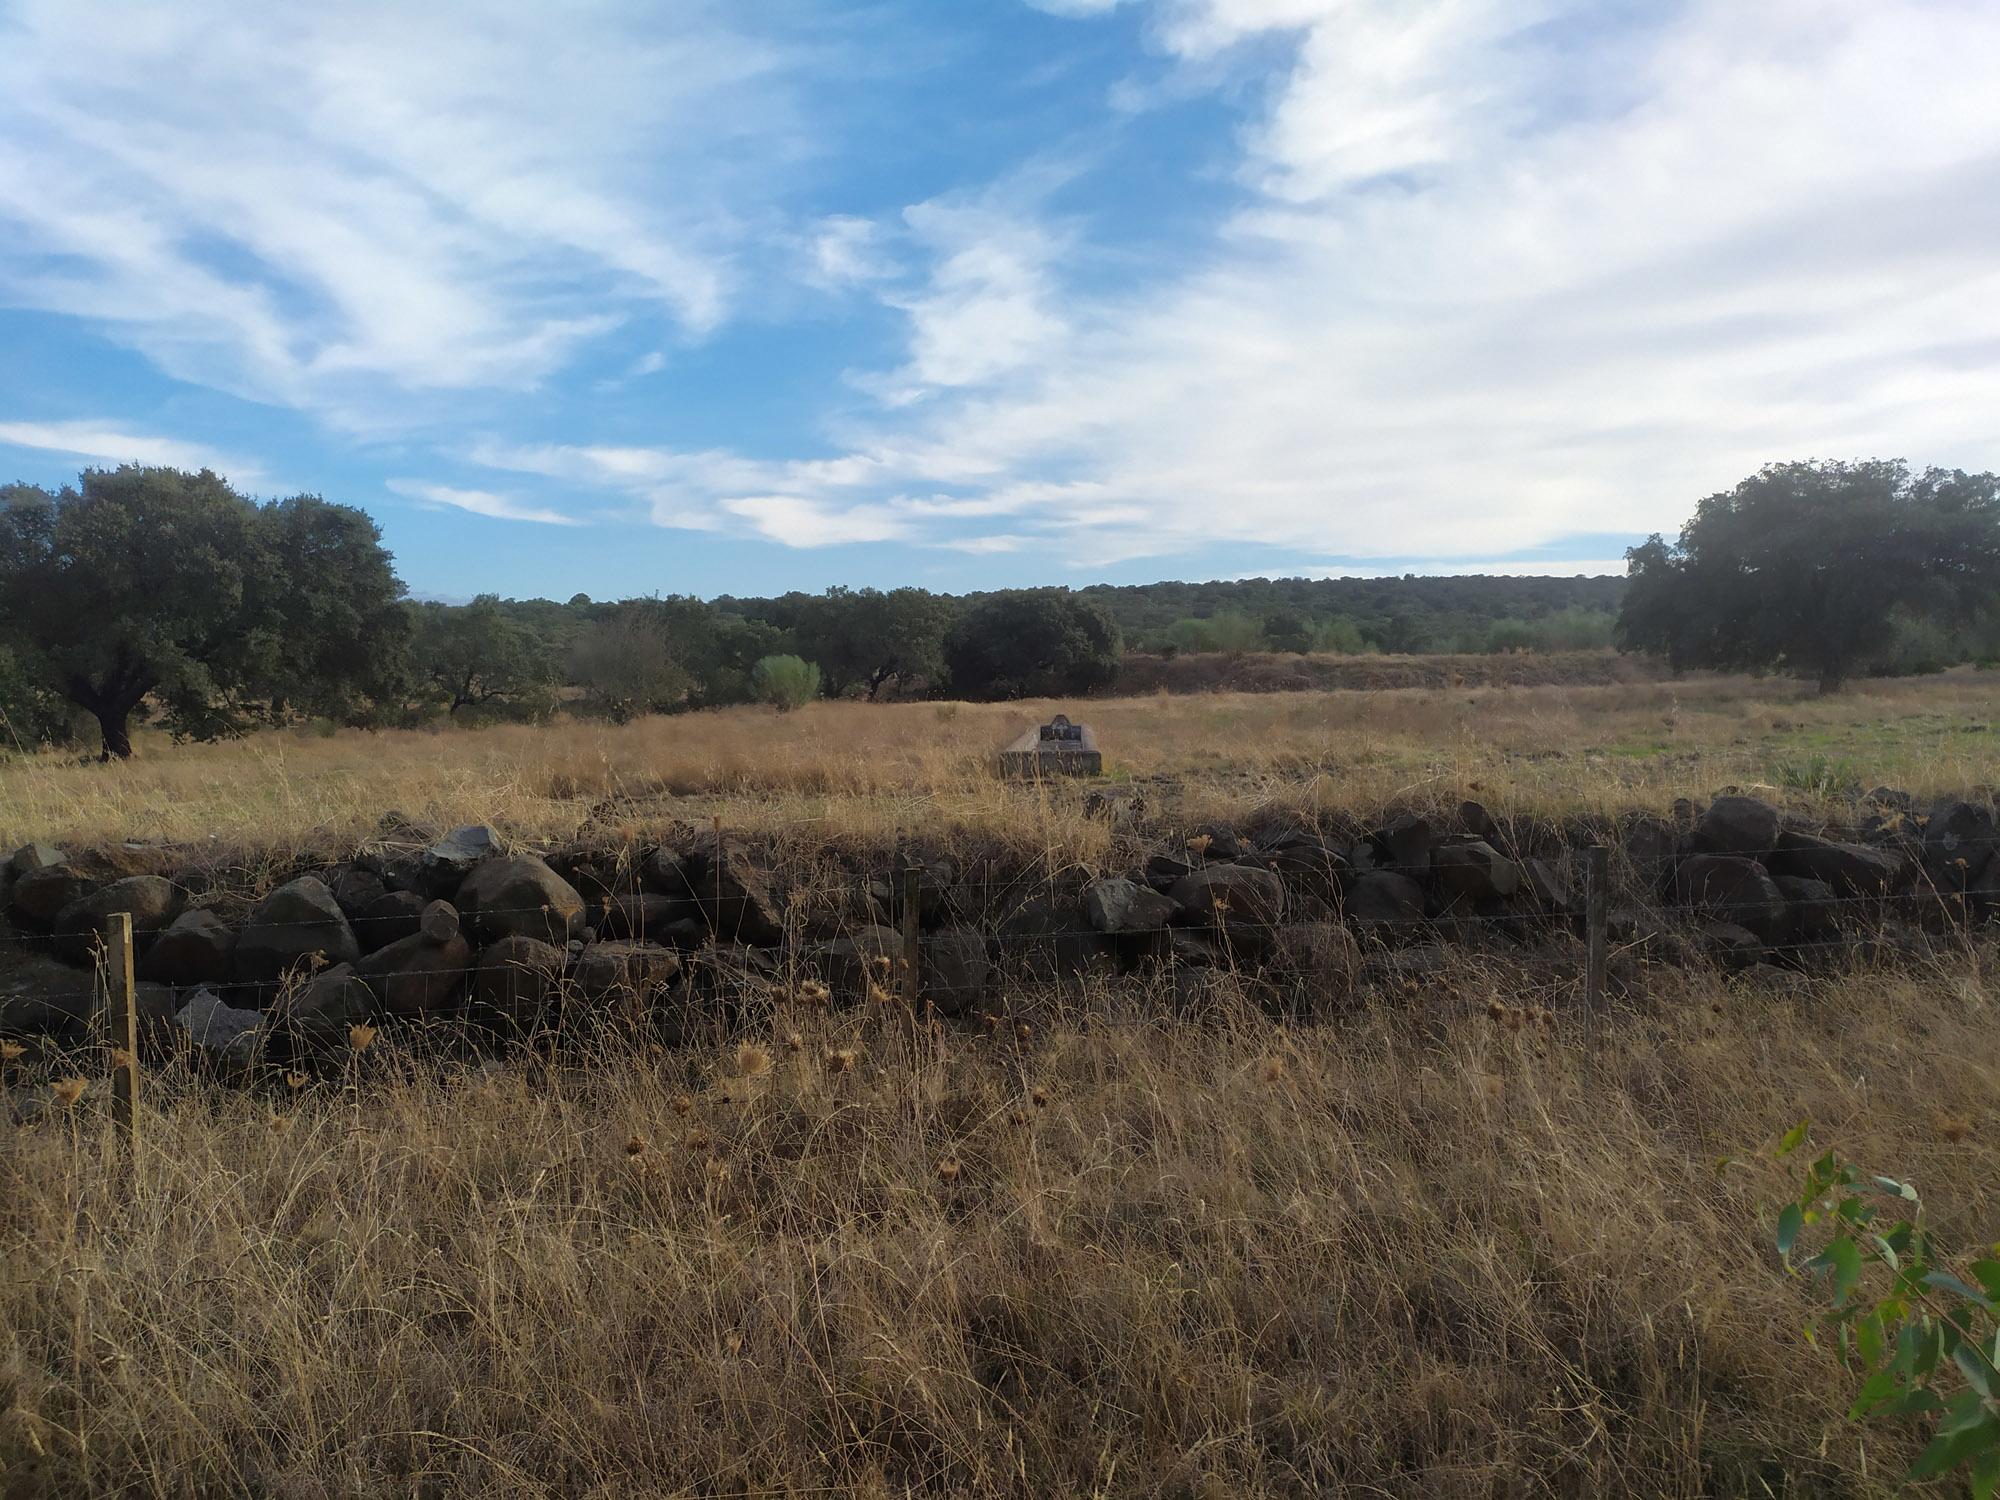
x,y
155,595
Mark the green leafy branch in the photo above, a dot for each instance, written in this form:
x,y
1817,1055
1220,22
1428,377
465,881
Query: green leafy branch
x,y
1925,1338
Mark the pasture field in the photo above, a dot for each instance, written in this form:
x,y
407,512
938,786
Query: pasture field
x,y
1127,1238
869,770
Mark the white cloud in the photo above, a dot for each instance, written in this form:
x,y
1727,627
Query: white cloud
x,y
479,503
799,522
103,443
847,250
326,205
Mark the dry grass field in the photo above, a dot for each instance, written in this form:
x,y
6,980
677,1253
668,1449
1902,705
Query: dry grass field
x,y
860,769
1128,1241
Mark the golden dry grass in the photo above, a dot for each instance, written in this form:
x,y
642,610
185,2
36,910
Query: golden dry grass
x,y
1412,1254
853,768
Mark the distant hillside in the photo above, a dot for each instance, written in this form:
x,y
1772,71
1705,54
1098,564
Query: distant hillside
x,y
1408,614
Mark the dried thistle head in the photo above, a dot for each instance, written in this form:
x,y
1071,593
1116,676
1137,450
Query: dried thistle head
x,y
879,996
360,1035
794,1040
280,1124
716,1170
295,1081
697,1140
11,1052
752,1060
1954,1128
841,1059
120,1058
1274,1069
813,992
636,1146
1495,1010
947,1169
682,1104
66,1091
1039,1097
880,962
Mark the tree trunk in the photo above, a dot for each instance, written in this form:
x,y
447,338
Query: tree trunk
x,y
111,723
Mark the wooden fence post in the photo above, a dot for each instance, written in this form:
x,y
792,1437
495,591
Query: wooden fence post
x,y
912,884
1595,898
122,1014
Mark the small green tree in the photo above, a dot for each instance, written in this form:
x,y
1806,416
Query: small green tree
x,y
1288,630
1339,635
474,656
626,666
1032,644
785,682
1802,567
867,639
1921,1330
151,586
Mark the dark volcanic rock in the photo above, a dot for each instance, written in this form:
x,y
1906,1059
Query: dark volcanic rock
x,y
292,925
1733,889
1737,825
193,949
519,894
81,927
1853,869
1114,904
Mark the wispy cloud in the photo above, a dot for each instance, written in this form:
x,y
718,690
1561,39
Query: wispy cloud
x,y
479,503
102,442
332,204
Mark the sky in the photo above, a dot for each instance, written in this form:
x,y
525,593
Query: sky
x,y
681,297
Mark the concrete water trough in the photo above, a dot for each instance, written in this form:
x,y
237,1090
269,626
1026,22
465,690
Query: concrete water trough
x,y
1057,748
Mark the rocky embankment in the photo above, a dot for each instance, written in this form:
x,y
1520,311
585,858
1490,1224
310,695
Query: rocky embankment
x,y
679,932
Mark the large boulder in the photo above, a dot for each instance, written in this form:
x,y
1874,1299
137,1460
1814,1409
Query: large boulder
x,y
1042,939
853,961
1306,863
40,997
192,949
84,925
297,924
517,984
31,857
625,976
325,1005
416,976
1651,846
520,895
456,855
954,969
1737,825
38,895
1732,889
1853,869
356,888
1115,904
1473,870
736,897
1812,909
1386,898
1407,843
389,918
645,915
1237,898
222,1031
1731,946
1958,840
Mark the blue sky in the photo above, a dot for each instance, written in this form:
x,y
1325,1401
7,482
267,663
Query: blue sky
x,y
690,297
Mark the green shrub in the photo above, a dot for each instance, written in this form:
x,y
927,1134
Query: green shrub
x,y
784,682
1920,1328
